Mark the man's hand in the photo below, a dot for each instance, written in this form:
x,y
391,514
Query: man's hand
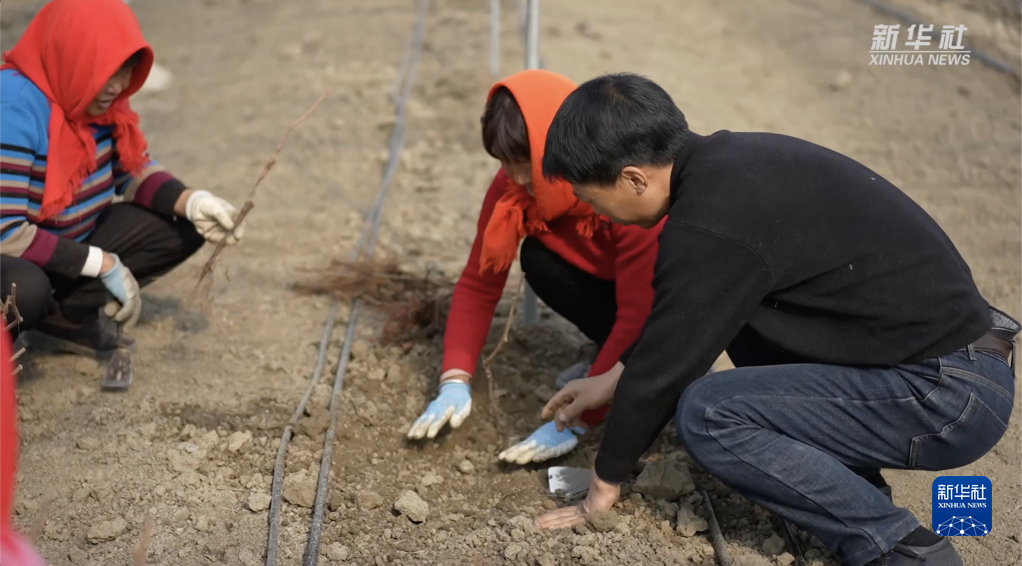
x,y
454,403
213,217
122,285
581,395
547,442
602,496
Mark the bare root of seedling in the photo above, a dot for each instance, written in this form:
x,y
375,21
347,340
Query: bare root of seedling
x,y
500,345
204,287
415,304
9,310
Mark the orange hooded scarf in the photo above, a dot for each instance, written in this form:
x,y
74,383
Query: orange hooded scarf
x,y
69,51
539,94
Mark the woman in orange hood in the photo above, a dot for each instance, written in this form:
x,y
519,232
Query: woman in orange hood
x,y
596,275
71,144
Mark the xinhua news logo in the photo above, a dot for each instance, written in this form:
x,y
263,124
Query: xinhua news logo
x,y
962,506
917,47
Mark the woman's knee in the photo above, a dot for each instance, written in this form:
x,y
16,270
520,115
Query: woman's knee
x,y
191,240
34,294
532,256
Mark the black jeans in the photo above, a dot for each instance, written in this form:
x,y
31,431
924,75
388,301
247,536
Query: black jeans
x,y
586,301
149,244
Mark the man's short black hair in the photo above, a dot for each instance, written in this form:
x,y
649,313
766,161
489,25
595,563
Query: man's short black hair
x,y
505,135
609,123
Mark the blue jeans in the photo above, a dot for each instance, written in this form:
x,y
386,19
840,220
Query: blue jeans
x,y
784,436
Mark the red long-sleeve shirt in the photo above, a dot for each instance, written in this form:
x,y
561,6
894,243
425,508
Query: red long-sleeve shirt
x,y
624,254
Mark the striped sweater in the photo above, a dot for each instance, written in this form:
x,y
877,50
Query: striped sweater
x,y
57,243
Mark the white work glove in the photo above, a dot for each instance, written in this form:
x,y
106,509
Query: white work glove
x,y
213,217
127,303
546,443
453,403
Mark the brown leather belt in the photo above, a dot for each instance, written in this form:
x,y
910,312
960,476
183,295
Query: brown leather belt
x,y
991,343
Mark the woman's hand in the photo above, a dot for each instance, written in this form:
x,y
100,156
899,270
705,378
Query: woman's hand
x,y
453,404
602,496
581,395
212,216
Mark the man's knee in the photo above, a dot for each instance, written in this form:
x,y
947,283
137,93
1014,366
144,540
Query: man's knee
x,y
692,419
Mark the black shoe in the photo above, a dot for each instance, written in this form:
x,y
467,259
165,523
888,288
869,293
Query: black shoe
x,y
85,340
886,491
876,480
941,554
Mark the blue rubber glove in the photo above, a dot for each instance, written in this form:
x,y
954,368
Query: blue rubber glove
x,y
543,444
453,403
127,303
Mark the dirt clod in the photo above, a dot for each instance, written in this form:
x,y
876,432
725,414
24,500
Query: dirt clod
x,y
107,530
688,522
367,500
586,554
360,349
337,552
515,550
239,440
315,425
603,521
300,489
259,502
773,545
431,479
466,467
87,443
412,506
664,480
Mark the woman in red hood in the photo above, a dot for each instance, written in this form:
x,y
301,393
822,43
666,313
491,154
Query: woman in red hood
x,y
71,145
595,274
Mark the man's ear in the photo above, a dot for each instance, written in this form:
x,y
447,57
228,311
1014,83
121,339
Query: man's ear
x,y
635,179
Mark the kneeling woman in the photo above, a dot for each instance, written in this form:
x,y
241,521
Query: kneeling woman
x,y
70,146
596,275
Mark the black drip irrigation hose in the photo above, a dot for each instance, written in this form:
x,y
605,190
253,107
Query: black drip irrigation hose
x,y
414,50
370,228
987,60
278,466
716,537
790,540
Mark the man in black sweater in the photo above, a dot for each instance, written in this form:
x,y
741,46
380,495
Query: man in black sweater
x,y
859,337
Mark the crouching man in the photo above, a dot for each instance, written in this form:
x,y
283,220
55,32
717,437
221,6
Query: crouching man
x,y
860,339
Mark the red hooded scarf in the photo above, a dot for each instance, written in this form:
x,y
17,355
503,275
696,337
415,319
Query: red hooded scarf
x,y
539,94
69,51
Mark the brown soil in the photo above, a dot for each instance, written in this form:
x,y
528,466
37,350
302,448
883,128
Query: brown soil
x,y
206,381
